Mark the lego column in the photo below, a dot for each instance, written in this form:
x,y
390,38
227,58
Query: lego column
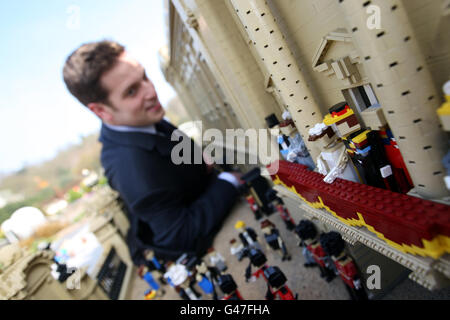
x,y
216,36
188,100
221,122
265,34
403,83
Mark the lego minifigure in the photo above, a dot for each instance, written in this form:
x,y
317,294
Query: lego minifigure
x,y
228,287
247,235
150,277
333,160
277,282
216,260
237,249
151,262
284,213
308,234
363,146
274,240
334,245
293,149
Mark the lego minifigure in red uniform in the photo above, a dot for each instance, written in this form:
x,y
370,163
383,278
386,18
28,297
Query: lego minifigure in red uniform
x,y
277,285
254,206
229,288
334,245
258,260
394,156
307,232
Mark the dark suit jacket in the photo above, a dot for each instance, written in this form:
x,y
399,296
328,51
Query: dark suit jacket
x,y
172,208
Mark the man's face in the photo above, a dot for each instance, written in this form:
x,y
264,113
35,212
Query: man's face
x,y
132,99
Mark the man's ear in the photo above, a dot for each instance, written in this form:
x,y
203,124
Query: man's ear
x,y
101,110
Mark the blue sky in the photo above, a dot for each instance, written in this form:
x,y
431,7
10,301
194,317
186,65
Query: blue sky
x,y
38,116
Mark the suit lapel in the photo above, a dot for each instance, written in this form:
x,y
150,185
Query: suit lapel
x,y
163,144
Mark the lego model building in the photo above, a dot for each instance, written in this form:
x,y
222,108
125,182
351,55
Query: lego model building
x,y
274,240
307,232
153,273
387,73
421,226
373,118
268,201
281,208
334,245
444,115
228,286
248,236
180,276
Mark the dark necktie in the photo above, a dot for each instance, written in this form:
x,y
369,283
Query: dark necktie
x,y
162,129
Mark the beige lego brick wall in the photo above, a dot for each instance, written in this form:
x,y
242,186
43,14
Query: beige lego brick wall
x,y
431,25
231,62
304,23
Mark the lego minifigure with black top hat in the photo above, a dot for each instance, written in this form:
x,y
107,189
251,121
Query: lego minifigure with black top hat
x,y
277,285
334,245
274,240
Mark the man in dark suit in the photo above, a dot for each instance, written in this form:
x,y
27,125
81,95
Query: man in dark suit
x,y
172,208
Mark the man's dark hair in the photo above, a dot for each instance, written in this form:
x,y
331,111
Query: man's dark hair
x,y
332,243
85,66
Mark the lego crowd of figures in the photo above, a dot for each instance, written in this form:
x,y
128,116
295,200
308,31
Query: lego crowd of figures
x,y
205,277
358,147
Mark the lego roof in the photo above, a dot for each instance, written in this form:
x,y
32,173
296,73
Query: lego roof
x,y
339,34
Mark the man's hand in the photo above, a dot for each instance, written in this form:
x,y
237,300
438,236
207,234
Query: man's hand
x,y
209,163
238,176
